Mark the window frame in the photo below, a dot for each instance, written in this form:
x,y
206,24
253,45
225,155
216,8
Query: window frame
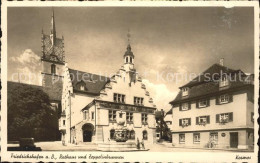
x,y
213,136
138,101
225,99
112,115
119,98
205,103
224,82
129,117
185,108
196,138
144,118
53,69
92,115
145,134
185,91
181,141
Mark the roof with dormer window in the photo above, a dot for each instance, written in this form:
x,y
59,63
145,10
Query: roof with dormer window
x,y
201,88
93,83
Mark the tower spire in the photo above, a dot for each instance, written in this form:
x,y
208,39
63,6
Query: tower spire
x,y
53,28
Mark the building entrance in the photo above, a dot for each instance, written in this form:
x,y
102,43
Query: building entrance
x,y
87,131
233,140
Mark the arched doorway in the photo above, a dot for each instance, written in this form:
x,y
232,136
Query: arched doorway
x,y
87,131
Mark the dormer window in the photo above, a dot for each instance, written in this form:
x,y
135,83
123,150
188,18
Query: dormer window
x,y
223,82
82,88
185,91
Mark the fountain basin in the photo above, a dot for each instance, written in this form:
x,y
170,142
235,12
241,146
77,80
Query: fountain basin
x,y
117,146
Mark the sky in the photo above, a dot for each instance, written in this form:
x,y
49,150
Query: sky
x,y
166,41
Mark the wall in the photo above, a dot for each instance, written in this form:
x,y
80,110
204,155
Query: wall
x,y
238,107
223,141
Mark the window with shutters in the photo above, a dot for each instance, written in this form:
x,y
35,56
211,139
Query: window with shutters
x,y
224,118
196,138
223,99
203,120
185,122
203,103
112,115
181,138
185,106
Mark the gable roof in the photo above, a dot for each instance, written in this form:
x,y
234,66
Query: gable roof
x,y
54,94
200,87
93,83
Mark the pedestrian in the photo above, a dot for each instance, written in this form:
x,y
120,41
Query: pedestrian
x,y
138,144
143,144
75,140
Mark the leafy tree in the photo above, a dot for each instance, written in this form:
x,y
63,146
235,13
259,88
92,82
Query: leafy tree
x,y
29,113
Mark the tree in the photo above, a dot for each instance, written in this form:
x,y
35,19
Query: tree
x,y
29,113
162,127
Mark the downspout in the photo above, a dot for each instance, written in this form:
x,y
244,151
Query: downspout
x,y
95,116
70,113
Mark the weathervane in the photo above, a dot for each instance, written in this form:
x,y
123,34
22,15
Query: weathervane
x,y
128,36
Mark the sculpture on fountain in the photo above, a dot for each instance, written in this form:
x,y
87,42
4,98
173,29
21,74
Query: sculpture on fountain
x,y
121,131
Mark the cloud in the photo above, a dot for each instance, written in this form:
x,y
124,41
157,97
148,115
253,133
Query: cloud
x,y
160,94
28,67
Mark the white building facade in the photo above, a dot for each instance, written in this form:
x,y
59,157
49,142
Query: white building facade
x,y
217,113
92,104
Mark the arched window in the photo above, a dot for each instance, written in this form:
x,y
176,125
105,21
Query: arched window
x,y
145,136
132,135
53,69
130,59
126,60
112,134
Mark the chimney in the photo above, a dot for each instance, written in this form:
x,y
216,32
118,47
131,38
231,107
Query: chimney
x,y
221,61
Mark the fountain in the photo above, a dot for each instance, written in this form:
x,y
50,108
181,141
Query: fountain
x,y
121,137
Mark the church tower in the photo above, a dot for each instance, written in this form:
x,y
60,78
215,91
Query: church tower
x,y
53,58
